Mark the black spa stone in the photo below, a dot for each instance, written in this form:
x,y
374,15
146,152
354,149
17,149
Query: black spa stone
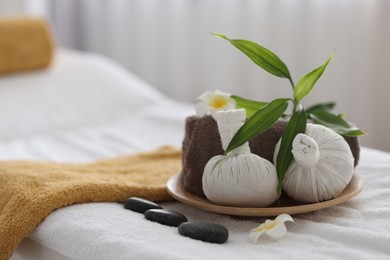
x,y
165,217
206,232
140,205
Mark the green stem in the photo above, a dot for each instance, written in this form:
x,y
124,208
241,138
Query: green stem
x,y
295,102
295,106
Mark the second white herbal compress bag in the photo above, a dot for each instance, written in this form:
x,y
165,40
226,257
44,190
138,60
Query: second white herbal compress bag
x,y
323,165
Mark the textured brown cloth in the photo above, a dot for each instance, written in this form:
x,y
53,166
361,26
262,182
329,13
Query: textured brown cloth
x,y
29,191
202,141
25,43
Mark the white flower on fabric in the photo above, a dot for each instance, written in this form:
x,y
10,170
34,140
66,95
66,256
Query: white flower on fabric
x,y
213,101
275,229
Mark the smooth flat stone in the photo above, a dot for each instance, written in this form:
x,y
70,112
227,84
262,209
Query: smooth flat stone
x,y
165,217
140,205
206,232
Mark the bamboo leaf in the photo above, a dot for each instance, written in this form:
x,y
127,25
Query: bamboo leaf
x,y
336,123
296,125
258,123
306,83
261,56
321,106
250,106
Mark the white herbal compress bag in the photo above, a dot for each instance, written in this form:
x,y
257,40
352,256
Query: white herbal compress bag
x,y
240,178
323,165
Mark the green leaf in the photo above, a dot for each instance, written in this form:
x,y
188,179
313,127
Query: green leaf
x,y
250,106
321,106
335,123
261,56
296,125
306,83
258,123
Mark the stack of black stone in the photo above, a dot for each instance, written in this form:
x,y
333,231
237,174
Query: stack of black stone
x,y
207,232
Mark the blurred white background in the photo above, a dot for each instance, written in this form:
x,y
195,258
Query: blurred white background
x,y
168,44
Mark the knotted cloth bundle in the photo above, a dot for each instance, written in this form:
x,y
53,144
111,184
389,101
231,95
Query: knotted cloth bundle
x,y
30,191
25,44
202,141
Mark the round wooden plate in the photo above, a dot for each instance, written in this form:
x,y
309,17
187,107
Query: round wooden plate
x,y
286,205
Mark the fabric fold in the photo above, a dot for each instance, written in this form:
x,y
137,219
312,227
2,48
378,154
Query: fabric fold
x,y
30,191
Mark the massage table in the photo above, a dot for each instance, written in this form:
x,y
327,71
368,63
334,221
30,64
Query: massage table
x,y
85,107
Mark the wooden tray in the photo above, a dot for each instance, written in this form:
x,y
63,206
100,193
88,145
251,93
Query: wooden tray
x,y
286,204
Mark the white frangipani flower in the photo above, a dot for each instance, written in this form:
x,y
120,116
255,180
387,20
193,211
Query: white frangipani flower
x,y
275,229
213,101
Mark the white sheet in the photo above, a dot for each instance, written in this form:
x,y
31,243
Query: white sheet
x,y
86,108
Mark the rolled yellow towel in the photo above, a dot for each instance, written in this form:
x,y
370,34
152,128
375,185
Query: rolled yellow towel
x,y
25,44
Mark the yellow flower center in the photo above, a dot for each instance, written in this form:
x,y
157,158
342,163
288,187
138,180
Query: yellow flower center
x,y
269,224
218,102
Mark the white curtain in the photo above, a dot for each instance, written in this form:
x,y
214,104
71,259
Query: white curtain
x,y
168,44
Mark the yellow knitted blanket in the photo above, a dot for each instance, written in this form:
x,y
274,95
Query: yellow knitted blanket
x,y
30,191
